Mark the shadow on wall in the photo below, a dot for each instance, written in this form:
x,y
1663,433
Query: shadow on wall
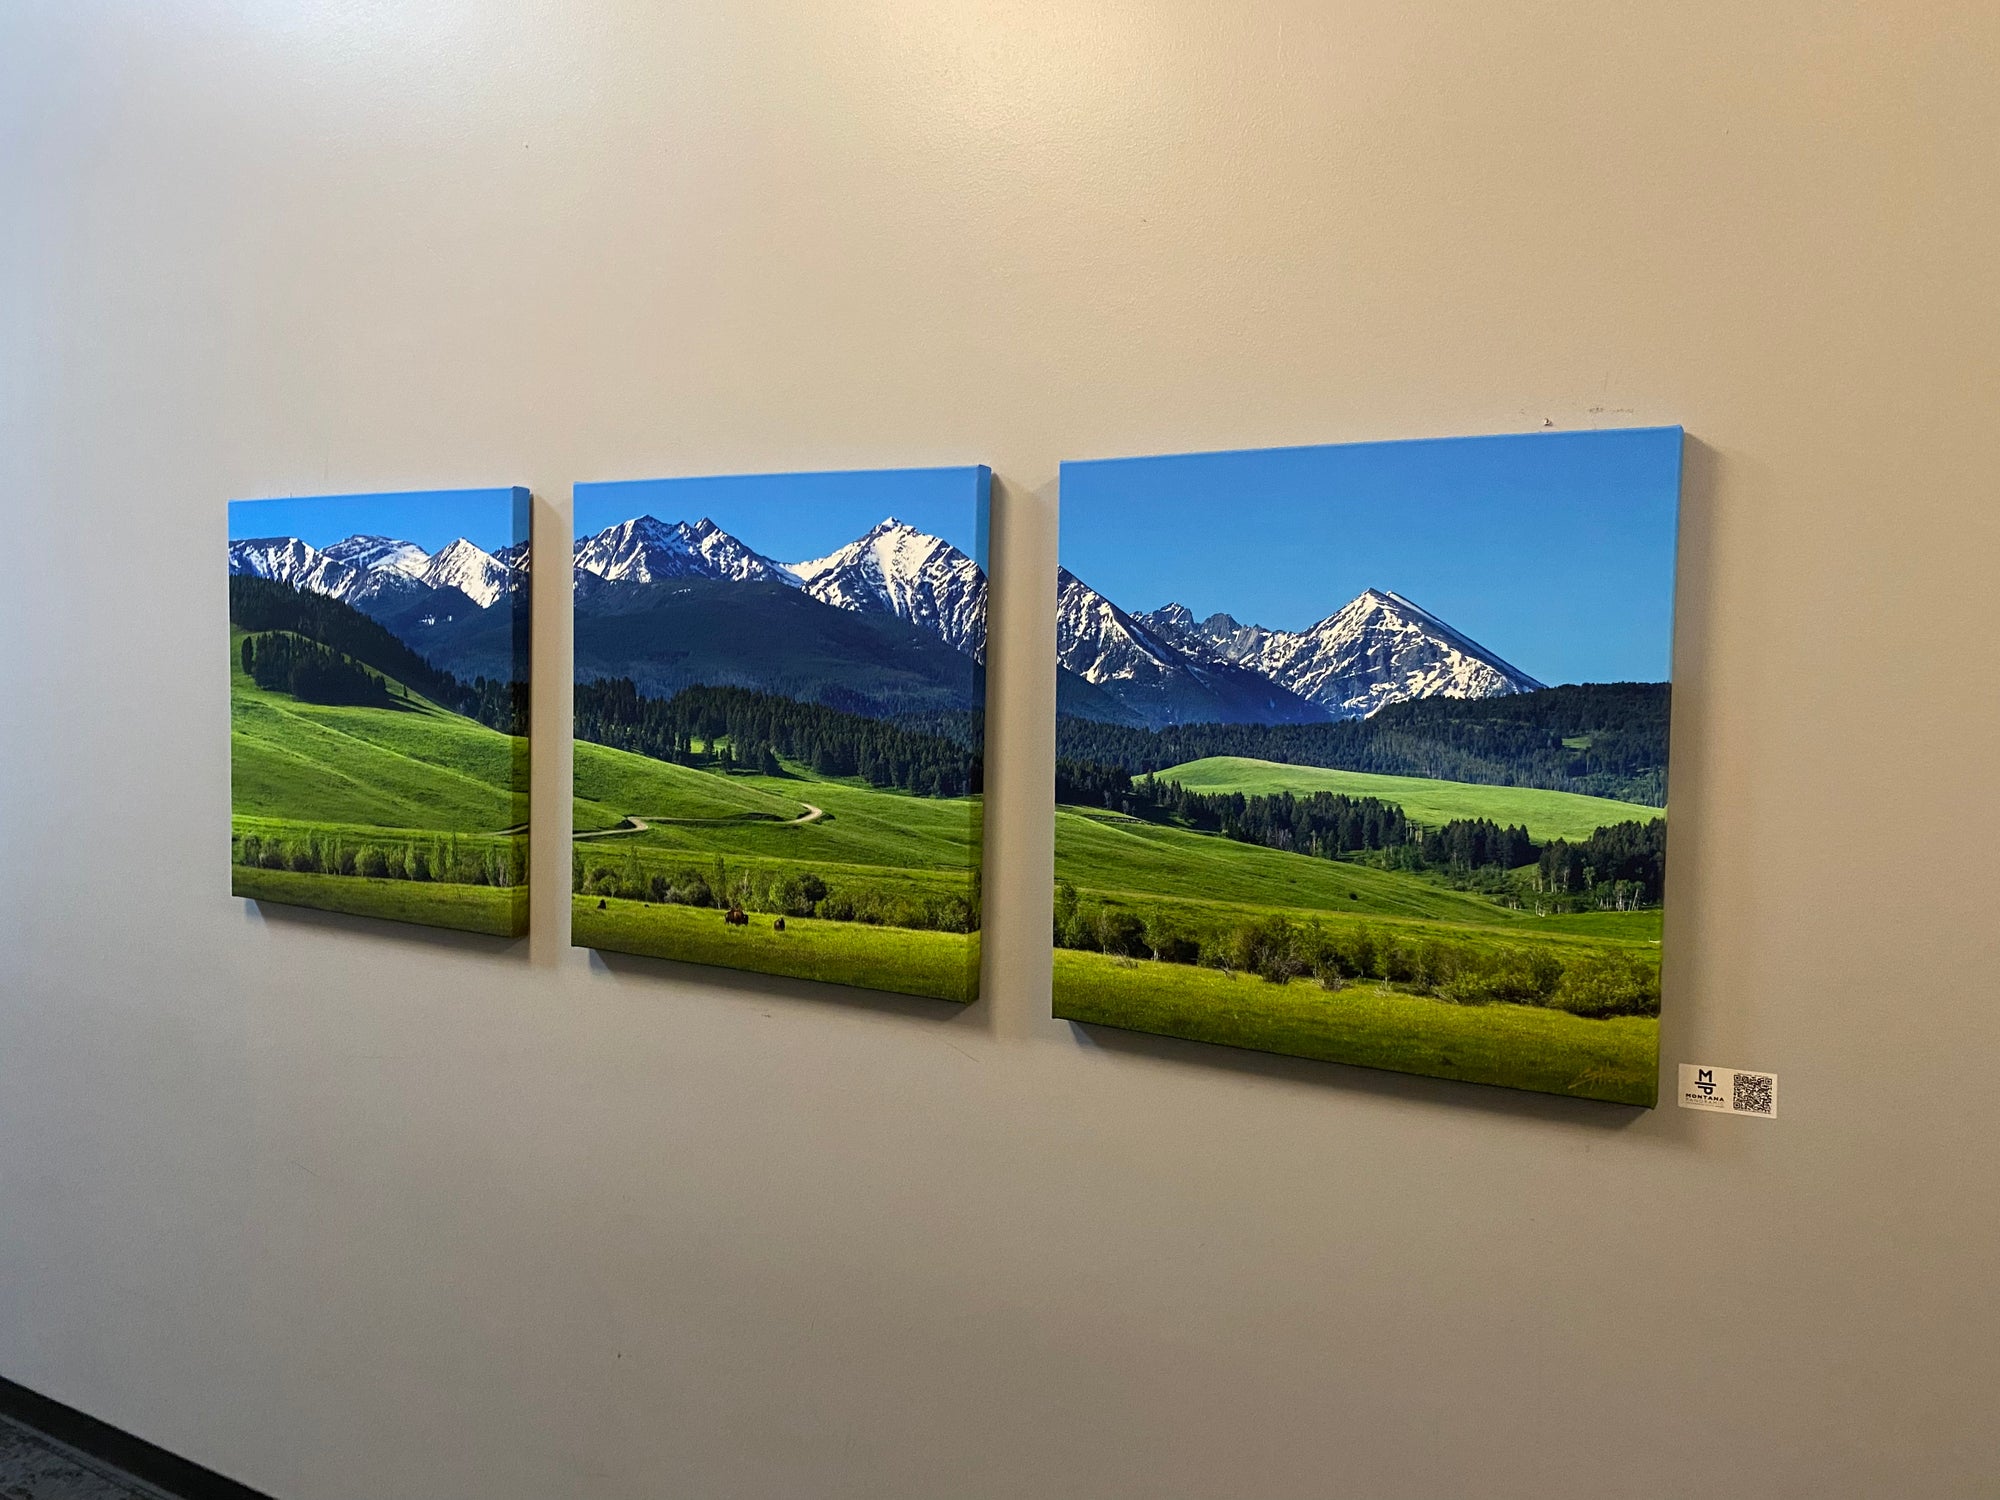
x,y
746,985
277,915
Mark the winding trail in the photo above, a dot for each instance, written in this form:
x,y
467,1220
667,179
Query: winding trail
x,y
635,824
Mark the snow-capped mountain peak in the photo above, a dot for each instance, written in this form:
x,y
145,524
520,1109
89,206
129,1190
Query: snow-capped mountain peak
x,y
288,560
471,570
893,568
1103,644
370,553
1141,661
1220,637
646,549
1377,649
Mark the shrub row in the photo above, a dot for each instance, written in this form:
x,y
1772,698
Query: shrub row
x,y
780,893
445,861
1585,982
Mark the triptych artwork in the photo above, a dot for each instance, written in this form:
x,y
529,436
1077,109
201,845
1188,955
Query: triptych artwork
x,y
1361,750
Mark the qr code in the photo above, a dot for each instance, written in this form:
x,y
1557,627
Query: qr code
x,y
1754,1094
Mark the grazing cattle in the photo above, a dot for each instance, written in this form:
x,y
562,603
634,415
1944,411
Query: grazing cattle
x,y
779,925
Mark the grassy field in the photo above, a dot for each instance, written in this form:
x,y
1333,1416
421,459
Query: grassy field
x,y
1547,815
1213,890
941,965
611,785
468,908
1515,1045
419,766
392,778
905,859
860,825
1119,856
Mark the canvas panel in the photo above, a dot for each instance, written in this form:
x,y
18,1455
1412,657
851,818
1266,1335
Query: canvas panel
x,y
1362,753
378,657
780,724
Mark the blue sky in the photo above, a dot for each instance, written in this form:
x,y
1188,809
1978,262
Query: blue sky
x,y
794,517
430,518
1553,550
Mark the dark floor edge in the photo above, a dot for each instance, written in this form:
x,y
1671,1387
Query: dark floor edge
x,y
115,1446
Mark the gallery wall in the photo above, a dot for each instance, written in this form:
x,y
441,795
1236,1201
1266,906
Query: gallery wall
x,y
342,1210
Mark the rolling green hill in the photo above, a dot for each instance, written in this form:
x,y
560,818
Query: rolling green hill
x,y
329,802
898,871
1597,739
612,785
1201,902
408,767
1103,852
761,817
1547,815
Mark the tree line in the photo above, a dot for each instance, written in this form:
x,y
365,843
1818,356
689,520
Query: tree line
x,y
1328,825
1621,866
792,892
282,663
1600,739
1279,949
261,606
730,728
444,858
1625,864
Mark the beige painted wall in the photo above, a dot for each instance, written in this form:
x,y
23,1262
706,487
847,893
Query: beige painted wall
x,y
346,1212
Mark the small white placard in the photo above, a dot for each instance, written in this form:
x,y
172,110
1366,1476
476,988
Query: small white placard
x,y
1729,1091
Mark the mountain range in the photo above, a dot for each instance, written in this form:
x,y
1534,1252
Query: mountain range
x,y
378,574
671,604
1375,650
1168,667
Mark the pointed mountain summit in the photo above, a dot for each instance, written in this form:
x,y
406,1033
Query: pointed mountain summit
x,y
370,553
1220,636
1377,649
1147,671
648,550
286,559
898,570
470,569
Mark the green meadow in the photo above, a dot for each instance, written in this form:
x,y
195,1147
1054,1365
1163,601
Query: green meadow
x,y
1545,814
1370,1024
941,965
410,812
661,851
1165,929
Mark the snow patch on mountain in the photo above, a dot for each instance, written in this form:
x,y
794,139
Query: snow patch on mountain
x,y
372,553
648,550
1103,644
1377,649
896,569
374,573
470,569
1220,636
286,559
1145,668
